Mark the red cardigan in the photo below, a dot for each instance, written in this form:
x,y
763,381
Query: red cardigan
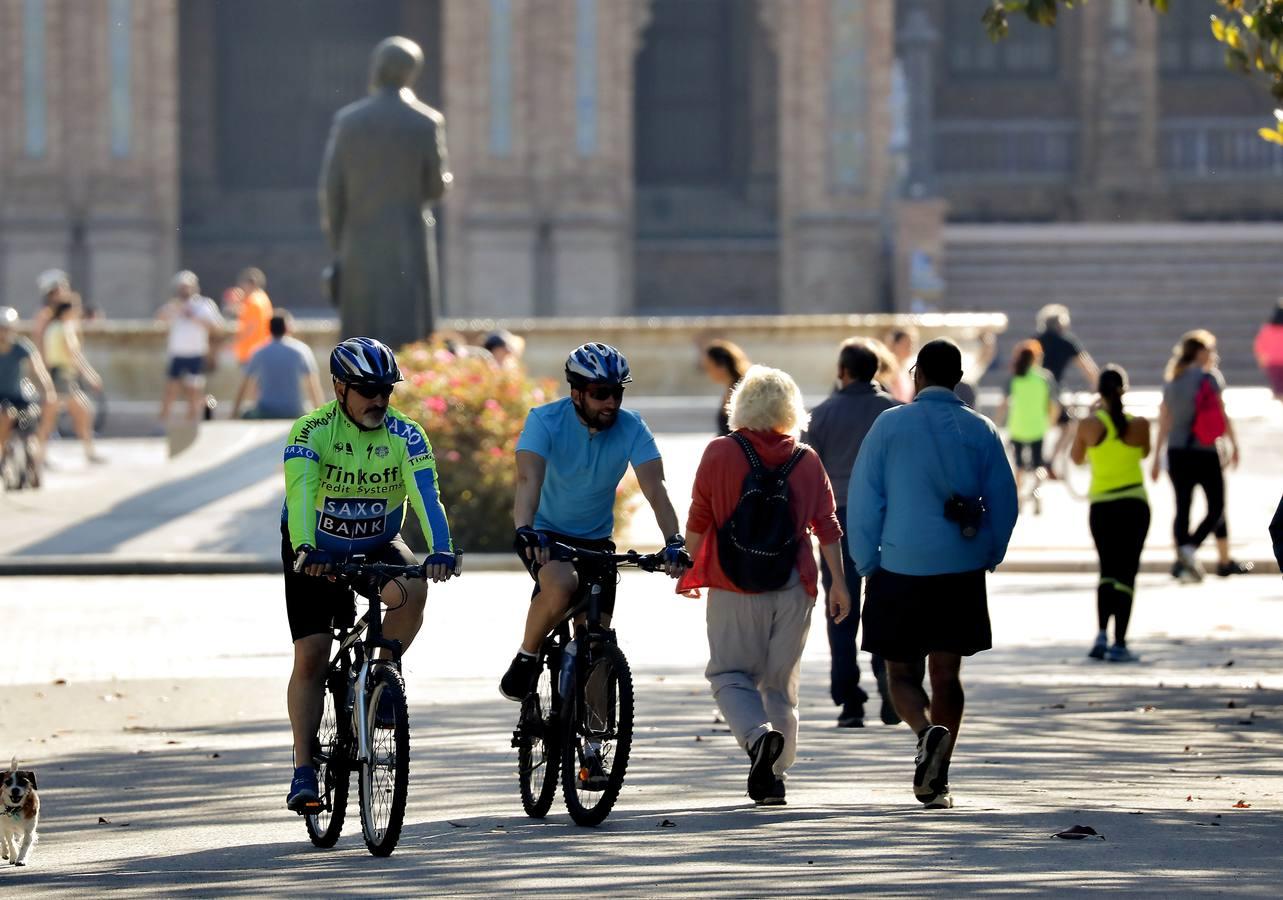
x,y
717,490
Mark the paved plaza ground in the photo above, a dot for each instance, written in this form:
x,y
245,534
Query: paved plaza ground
x,y
163,758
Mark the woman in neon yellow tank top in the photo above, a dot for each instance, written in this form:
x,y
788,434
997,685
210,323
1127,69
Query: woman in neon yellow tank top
x,y
1115,444
1029,408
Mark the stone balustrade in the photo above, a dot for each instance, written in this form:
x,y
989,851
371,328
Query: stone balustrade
x,y
664,352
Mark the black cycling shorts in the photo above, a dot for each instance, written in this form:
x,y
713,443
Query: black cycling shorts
x,y
587,570
317,605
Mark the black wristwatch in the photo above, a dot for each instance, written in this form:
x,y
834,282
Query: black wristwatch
x,y
675,539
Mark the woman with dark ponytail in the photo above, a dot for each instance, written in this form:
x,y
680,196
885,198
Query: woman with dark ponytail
x,y
725,364
1115,444
1029,409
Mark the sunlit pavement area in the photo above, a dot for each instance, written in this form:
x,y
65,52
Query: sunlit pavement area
x,y
163,759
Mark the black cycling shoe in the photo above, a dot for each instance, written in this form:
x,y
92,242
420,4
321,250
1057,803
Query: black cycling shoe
x,y
385,715
776,796
519,680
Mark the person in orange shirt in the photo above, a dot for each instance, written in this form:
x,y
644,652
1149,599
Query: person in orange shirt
x,y
254,317
1269,350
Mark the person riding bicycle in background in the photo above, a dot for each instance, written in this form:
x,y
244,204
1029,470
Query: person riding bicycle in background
x,y
571,457
1028,408
14,351
1060,347
350,466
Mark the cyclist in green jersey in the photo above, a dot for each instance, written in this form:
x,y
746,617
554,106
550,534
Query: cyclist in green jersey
x,y
1115,444
350,468
1029,407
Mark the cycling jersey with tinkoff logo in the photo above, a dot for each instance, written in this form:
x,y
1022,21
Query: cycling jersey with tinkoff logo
x,y
345,489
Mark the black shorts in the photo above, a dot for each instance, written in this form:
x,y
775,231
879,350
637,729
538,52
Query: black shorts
x,y
316,605
1028,455
908,616
586,570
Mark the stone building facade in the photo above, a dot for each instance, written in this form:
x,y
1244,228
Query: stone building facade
x,y
611,156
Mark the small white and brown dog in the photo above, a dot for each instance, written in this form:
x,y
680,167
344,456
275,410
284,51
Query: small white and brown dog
x,y
19,814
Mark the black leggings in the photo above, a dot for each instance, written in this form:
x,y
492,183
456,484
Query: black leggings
x,y
1118,527
1190,469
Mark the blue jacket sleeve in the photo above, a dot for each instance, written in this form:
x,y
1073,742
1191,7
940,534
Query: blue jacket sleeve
x,y
999,493
1276,533
866,502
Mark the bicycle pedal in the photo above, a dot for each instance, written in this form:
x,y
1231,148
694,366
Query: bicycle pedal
x,y
311,809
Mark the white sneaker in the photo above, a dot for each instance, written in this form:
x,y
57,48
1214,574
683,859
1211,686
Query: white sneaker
x,y
1191,568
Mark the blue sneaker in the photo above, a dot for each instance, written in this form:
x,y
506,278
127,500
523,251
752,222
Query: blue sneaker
x,y
303,789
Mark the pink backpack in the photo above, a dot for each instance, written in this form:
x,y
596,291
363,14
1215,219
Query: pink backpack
x,y
1209,414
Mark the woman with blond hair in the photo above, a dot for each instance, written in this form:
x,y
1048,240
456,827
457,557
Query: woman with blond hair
x,y
1191,424
751,546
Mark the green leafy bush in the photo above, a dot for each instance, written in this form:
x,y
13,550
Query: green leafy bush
x,y
473,411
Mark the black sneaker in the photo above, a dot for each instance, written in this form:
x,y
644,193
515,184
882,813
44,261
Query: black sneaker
x,y
303,790
851,716
1098,649
519,680
761,774
592,777
385,715
941,799
776,796
933,747
1233,567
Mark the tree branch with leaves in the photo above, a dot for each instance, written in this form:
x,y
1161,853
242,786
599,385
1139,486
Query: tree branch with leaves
x,y
1251,30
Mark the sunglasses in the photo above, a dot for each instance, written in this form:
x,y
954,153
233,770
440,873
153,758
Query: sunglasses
x,y
370,391
603,392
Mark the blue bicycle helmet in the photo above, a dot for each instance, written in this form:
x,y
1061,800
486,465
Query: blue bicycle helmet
x,y
363,360
599,363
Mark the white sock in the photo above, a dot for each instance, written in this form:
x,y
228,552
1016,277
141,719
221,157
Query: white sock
x,y
521,651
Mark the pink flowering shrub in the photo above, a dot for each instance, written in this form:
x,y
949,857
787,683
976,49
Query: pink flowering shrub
x,y
473,412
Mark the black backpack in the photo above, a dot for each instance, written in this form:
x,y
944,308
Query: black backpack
x,y
757,545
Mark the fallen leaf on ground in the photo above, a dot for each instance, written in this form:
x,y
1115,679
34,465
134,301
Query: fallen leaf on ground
x,y
1078,833
668,823
1242,804
459,824
215,755
103,820
1228,664
60,681
698,738
1231,705
1189,799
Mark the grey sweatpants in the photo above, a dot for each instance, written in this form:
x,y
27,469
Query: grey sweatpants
x,y
755,646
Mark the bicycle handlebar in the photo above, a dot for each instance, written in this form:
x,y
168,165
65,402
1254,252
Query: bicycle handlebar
x,y
647,562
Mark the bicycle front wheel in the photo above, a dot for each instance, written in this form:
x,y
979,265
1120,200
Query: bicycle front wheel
x,y
538,747
333,767
386,773
599,735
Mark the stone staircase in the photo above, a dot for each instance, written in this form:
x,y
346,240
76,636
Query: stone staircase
x,y
1132,289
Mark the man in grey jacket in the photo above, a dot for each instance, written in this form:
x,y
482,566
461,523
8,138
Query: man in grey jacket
x,y
837,429
385,164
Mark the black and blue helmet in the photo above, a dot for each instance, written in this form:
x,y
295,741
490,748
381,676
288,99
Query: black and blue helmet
x,y
363,360
599,363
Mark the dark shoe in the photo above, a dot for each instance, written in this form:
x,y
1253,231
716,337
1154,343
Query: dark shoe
x,y
933,748
592,777
303,790
1098,649
1234,567
776,796
851,716
519,680
761,774
1120,654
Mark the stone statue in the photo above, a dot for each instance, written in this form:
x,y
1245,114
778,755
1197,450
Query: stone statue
x,y
384,166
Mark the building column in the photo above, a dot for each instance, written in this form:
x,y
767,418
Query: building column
x,y
835,70
1118,72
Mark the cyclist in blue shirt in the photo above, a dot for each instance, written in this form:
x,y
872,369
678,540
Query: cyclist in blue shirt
x,y
571,457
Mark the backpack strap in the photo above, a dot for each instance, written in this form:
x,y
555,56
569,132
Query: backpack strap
x,y
753,461
793,461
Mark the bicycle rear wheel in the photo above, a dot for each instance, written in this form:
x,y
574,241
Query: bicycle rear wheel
x,y
333,768
538,747
385,775
599,735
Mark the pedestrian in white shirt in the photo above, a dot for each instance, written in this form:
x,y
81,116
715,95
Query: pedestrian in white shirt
x,y
192,318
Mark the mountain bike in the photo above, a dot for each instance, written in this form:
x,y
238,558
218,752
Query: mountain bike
x,y
20,457
350,736
577,721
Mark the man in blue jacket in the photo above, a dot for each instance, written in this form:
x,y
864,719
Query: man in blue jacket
x,y
930,507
